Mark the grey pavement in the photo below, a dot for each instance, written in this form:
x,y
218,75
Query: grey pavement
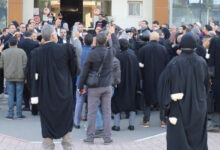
x,y
26,135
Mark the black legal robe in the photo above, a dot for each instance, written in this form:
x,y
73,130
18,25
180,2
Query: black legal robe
x,y
154,57
187,74
55,65
215,62
124,95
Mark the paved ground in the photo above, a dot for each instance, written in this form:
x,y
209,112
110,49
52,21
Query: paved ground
x,y
26,135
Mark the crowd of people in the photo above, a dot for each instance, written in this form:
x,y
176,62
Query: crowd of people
x,y
56,70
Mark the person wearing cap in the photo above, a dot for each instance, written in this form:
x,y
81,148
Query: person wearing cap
x,y
182,92
27,45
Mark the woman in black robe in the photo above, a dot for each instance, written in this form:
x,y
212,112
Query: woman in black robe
x,y
182,91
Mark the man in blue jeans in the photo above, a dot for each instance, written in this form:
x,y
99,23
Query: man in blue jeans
x,y
13,61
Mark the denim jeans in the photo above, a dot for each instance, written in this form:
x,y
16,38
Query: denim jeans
x,y
78,109
15,88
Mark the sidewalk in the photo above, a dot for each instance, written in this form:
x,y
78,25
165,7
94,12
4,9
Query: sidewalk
x,y
153,143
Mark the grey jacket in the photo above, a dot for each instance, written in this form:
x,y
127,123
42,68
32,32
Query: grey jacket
x,y
13,61
93,61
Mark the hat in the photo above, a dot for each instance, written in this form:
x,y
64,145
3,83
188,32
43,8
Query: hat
x,y
27,34
188,41
198,24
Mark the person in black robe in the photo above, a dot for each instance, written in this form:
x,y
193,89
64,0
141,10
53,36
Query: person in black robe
x,y
214,63
124,95
27,44
182,91
52,68
153,59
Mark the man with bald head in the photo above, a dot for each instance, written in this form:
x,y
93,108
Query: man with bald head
x,y
153,58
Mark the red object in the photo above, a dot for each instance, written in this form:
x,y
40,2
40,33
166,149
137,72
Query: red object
x,y
97,11
37,19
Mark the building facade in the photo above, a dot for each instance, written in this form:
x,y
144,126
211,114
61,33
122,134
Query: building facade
x,y
125,13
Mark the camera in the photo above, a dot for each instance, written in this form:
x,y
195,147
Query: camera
x,y
131,30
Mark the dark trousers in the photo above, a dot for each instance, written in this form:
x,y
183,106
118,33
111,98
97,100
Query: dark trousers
x,y
1,81
147,114
26,96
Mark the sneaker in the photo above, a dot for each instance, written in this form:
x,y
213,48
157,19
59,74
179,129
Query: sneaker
x,y
99,134
21,117
9,117
108,141
114,128
89,140
131,128
163,124
83,119
146,124
214,129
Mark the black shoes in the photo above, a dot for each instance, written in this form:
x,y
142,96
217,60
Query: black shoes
x,y
76,126
114,128
131,128
21,117
9,117
26,109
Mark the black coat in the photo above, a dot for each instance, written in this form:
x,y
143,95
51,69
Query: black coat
x,y
55,65
215,62
187,74
154,57
28,45
124,95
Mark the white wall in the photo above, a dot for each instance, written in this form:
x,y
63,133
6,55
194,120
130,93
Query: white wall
x,y
120,13
28,10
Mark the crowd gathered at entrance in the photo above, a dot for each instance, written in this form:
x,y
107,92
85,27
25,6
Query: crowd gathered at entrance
x,y
55,70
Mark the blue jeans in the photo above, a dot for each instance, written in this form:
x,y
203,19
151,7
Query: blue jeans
x,y
15,87
80,99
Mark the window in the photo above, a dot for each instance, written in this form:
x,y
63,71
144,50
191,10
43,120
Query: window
x,y
191,11
3,13
134,8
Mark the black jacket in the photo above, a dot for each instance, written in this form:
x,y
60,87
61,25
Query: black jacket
x,y
93,61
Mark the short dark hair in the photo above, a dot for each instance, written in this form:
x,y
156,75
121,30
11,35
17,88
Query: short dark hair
x,y
156,22
4,29
124,44
88,39
101,39
183,26
146,22
27,34
13,41
208,27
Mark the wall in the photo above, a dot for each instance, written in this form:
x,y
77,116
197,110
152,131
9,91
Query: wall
x,y
161,11
14,10
28,10
120,13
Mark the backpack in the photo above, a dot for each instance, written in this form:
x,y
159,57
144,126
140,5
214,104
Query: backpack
x,y
116,72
